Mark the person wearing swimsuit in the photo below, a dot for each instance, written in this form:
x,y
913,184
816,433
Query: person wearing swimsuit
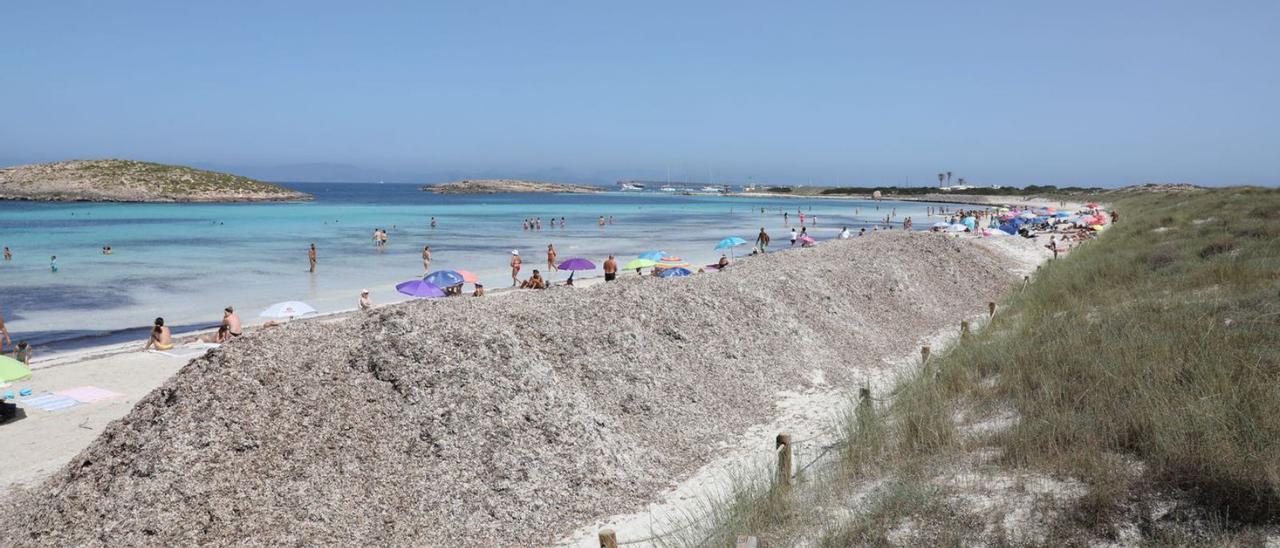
x,y
160,338
515,267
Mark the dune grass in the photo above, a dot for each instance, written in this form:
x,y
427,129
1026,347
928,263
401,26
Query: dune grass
x,y
1145,365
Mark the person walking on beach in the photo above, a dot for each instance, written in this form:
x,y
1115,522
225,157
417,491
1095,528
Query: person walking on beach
x,y
551,257
311,256
786,218
426,258
515,267
53,264
762,240
610,269
793,237
161,338
4,334
365,302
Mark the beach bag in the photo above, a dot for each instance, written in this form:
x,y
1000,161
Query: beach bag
x,y
10,411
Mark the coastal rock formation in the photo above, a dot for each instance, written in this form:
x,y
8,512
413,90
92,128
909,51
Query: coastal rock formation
x,y
132,181
496,186
499,421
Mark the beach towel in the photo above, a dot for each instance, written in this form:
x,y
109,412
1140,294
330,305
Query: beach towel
x,y
187,351
50,402
88,394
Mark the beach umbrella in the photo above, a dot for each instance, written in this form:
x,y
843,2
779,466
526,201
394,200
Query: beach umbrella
x,y
727,243
1062,214
13,370
467,276
287,309
639,263
576,263
653,255
671,262
675,273
420,288
444,278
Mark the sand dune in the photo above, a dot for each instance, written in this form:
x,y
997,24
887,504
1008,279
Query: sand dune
x,y
493,422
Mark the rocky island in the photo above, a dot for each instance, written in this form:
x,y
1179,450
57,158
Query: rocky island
x,y
497,186
132,181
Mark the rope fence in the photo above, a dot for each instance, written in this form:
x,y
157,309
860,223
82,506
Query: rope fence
x,y
786,470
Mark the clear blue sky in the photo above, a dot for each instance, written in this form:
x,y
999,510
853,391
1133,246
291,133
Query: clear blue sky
x,y
1085,92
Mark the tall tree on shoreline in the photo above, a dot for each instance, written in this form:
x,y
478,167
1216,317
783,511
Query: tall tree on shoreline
x,y
948,178
940,176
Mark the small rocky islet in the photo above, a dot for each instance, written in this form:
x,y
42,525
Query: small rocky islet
x,y
133,181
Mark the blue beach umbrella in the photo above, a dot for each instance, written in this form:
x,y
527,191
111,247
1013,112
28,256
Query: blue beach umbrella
x,y
444,278
730,243
675,273
727,243
652,255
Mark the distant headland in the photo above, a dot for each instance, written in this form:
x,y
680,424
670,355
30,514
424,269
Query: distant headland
x,y
496,186
132,181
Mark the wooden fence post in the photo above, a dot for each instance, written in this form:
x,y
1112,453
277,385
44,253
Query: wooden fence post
x,y
783,446
991,309
608,539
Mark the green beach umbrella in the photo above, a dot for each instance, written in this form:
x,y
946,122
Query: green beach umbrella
x,y
639,263
12,370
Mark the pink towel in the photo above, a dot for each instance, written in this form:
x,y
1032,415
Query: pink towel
x,y
88,394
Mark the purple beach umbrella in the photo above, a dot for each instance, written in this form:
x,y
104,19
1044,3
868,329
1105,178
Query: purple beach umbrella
x,y
419,288
576,263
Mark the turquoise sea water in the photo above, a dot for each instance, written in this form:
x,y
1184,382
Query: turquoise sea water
x,y
186,262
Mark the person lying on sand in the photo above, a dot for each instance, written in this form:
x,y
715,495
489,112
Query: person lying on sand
x,y
160,337
724,261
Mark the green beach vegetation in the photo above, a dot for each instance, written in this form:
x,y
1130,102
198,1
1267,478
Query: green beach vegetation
x,y
1127,394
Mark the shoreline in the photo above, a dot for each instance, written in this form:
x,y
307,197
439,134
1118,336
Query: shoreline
x,y
972,199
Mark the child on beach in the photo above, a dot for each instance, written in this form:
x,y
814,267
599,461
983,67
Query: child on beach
x,y
23,353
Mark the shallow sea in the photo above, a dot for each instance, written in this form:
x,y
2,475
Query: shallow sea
x,y
186,262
